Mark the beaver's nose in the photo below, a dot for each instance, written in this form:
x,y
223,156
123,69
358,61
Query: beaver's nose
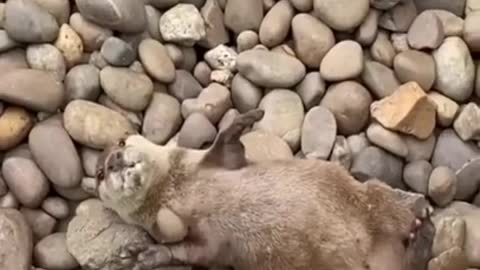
x,y
115,161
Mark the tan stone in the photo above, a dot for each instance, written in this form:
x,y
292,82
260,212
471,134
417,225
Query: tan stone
x,y
407,110
452,259
15,123
70,44
446,108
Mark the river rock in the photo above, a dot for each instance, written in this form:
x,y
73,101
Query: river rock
x,y
380,79
334,13
311,89
407,110
264,146
319,131
269,69
212,102
46,57
332,67
16,245
221,57
25,180
15,124
367,31
121,15
442,185
467,123
412,65
182,24
21,15
386,139
349,102
215,30
82,82
452,259
70,44
117,52
455,70
400,17
416,175
312,39
382,49
471,31
9,201
419,149
13,59
196,132
341,152
426,32
241,15
94,125
92,35
162,118
185,86
42,224
131,90
276,24
450,233
245,95
457,7
452,152
56,207
33,89
89,158
283,117
446,108
55,154
156,60
51,253
452,24
468,181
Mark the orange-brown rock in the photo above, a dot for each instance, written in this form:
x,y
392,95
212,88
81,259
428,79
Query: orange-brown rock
x,y
15,124
408,110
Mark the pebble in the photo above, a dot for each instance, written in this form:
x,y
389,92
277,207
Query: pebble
x,y
162,118
264,146
373,162
13,59
468,180
124,16
212,102
215,31
416,175
33,89
46,57
21,15
399,42
419,149
6,42
269,69
153,17
15,124
382,49
442,185
16,244
9,201
457,7
384,4
156,60
471,31
333,68
92,35
400,17
357,143
413,65
380,79
241,15
196,131
56,207
184,86
302,5
446,108
245,95
450,233
467,123
452,152
25,180
367,31
284,115
341,152
319,132
407,110
246,40
452,259
82,82
55,154
312,39
117,52
52,253
275,25
182,24
386,139
131,90
70,44
221,57
334,13
452,24
349,101
94,125
311,89
455,70
72,194
426,32
89,158
135,118
60,9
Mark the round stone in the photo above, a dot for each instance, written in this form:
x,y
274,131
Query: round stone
x,y
426,32
246,40
196,131
82,82
16,244
15,124
341,15
333,67
319,131
276,24
157,62
56,207
117,52
311,89
264,146
47,57
245,95
415,66
387,139
312,39
184,86
51,252
70,44
92,35
349,101
182,24
163,118
241,15
442,185
416,175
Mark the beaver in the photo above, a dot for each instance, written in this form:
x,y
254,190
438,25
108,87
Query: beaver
x,y
215,208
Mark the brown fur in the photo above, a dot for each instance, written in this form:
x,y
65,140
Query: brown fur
x,y
283,214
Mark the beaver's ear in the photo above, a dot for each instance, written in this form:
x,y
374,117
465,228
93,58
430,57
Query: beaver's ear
x,y
227,151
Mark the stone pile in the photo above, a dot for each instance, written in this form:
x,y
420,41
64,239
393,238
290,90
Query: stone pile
x,y
388,88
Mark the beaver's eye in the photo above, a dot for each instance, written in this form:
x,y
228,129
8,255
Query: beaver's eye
x,y
100,175
121,143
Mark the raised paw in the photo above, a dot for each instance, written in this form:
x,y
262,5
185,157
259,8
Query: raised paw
x,y
150,257
232,132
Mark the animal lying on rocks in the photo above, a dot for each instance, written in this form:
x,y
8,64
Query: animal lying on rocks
x,y
214,208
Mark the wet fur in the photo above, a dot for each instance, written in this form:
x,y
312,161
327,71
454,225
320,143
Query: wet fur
x,y
283,215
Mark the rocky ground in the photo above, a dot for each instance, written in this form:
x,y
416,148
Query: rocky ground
x,y
388,88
